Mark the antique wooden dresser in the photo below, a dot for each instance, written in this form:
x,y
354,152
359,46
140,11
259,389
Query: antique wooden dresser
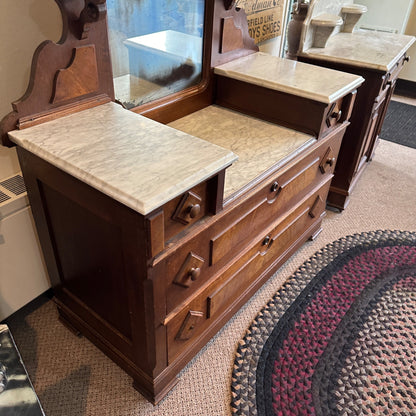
x,y
155,235
376,56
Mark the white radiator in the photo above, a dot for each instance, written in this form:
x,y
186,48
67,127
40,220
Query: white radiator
x,y
385,16
23,275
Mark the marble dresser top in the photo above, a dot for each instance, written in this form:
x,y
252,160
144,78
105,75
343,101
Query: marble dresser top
x,y
372,50
135,160
260,145
304,80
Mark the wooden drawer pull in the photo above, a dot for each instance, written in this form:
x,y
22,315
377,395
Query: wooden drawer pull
x,y
194,210
331,161
337,115
194,273
275,187
191,321
328,161
189,271
266,241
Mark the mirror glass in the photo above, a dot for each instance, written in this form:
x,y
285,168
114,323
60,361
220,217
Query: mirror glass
x,y
155,46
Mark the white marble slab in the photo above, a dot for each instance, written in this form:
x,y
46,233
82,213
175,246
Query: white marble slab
x,y
373,50
304,80
137,161
260,145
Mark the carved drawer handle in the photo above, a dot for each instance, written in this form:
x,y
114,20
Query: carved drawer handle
x,y
407,59
194,210
331,161
336,115
194,273
274,191
266,241
275,186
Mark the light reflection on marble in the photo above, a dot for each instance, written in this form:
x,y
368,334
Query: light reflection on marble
x,y
373,50
18,398
309,81
258,144
135,160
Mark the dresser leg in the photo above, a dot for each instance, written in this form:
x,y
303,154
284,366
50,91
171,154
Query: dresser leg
x,y
154,397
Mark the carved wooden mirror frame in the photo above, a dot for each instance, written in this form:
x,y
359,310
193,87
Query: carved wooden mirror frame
x,y
75,73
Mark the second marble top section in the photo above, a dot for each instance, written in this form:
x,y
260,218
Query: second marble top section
x,y
135,160
372,50
260,145
292,77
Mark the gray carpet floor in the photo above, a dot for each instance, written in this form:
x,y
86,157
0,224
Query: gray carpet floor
x,y
73,378
400,124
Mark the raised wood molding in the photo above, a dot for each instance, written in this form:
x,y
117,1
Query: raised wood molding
x,y
225,46
231,36
80,78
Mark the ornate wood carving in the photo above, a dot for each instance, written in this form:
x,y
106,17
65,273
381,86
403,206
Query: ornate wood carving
x,y
232,36
84,24
328,161
189,324
225,47
189,207
80,78
317,207
189,271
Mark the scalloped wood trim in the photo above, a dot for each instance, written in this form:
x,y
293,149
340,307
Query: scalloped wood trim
x,y
80,78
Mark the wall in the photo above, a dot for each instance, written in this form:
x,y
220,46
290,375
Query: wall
x,y
409,70
24,24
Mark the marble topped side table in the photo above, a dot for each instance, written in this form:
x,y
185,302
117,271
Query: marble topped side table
x,y
377,57
17,396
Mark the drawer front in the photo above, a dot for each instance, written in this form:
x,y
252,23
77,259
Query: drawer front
x,y
395,71
184,326
193,263
180,213
337,112
276,198
333,115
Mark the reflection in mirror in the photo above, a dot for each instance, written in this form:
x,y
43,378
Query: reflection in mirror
x,y
156,47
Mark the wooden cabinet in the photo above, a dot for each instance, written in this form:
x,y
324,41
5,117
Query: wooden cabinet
x,y
367,118
151,290
149,266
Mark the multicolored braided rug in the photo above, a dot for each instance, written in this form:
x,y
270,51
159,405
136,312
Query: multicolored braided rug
x,y
339,338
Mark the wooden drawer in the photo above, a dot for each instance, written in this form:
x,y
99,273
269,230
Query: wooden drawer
x,y
183,211
189,266
209,305
337,112
393,74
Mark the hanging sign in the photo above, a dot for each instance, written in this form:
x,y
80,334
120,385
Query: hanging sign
x,y
264,18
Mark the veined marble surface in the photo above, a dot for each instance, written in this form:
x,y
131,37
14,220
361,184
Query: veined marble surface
x,y
304,80
135,160
373,50
258,144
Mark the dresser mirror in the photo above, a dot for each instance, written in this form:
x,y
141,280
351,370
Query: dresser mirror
x,y
155,46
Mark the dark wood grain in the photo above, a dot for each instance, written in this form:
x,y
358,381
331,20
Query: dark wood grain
x,y
151,290
367,116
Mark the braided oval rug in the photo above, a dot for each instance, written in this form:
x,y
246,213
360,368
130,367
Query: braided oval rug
x,y
339,338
